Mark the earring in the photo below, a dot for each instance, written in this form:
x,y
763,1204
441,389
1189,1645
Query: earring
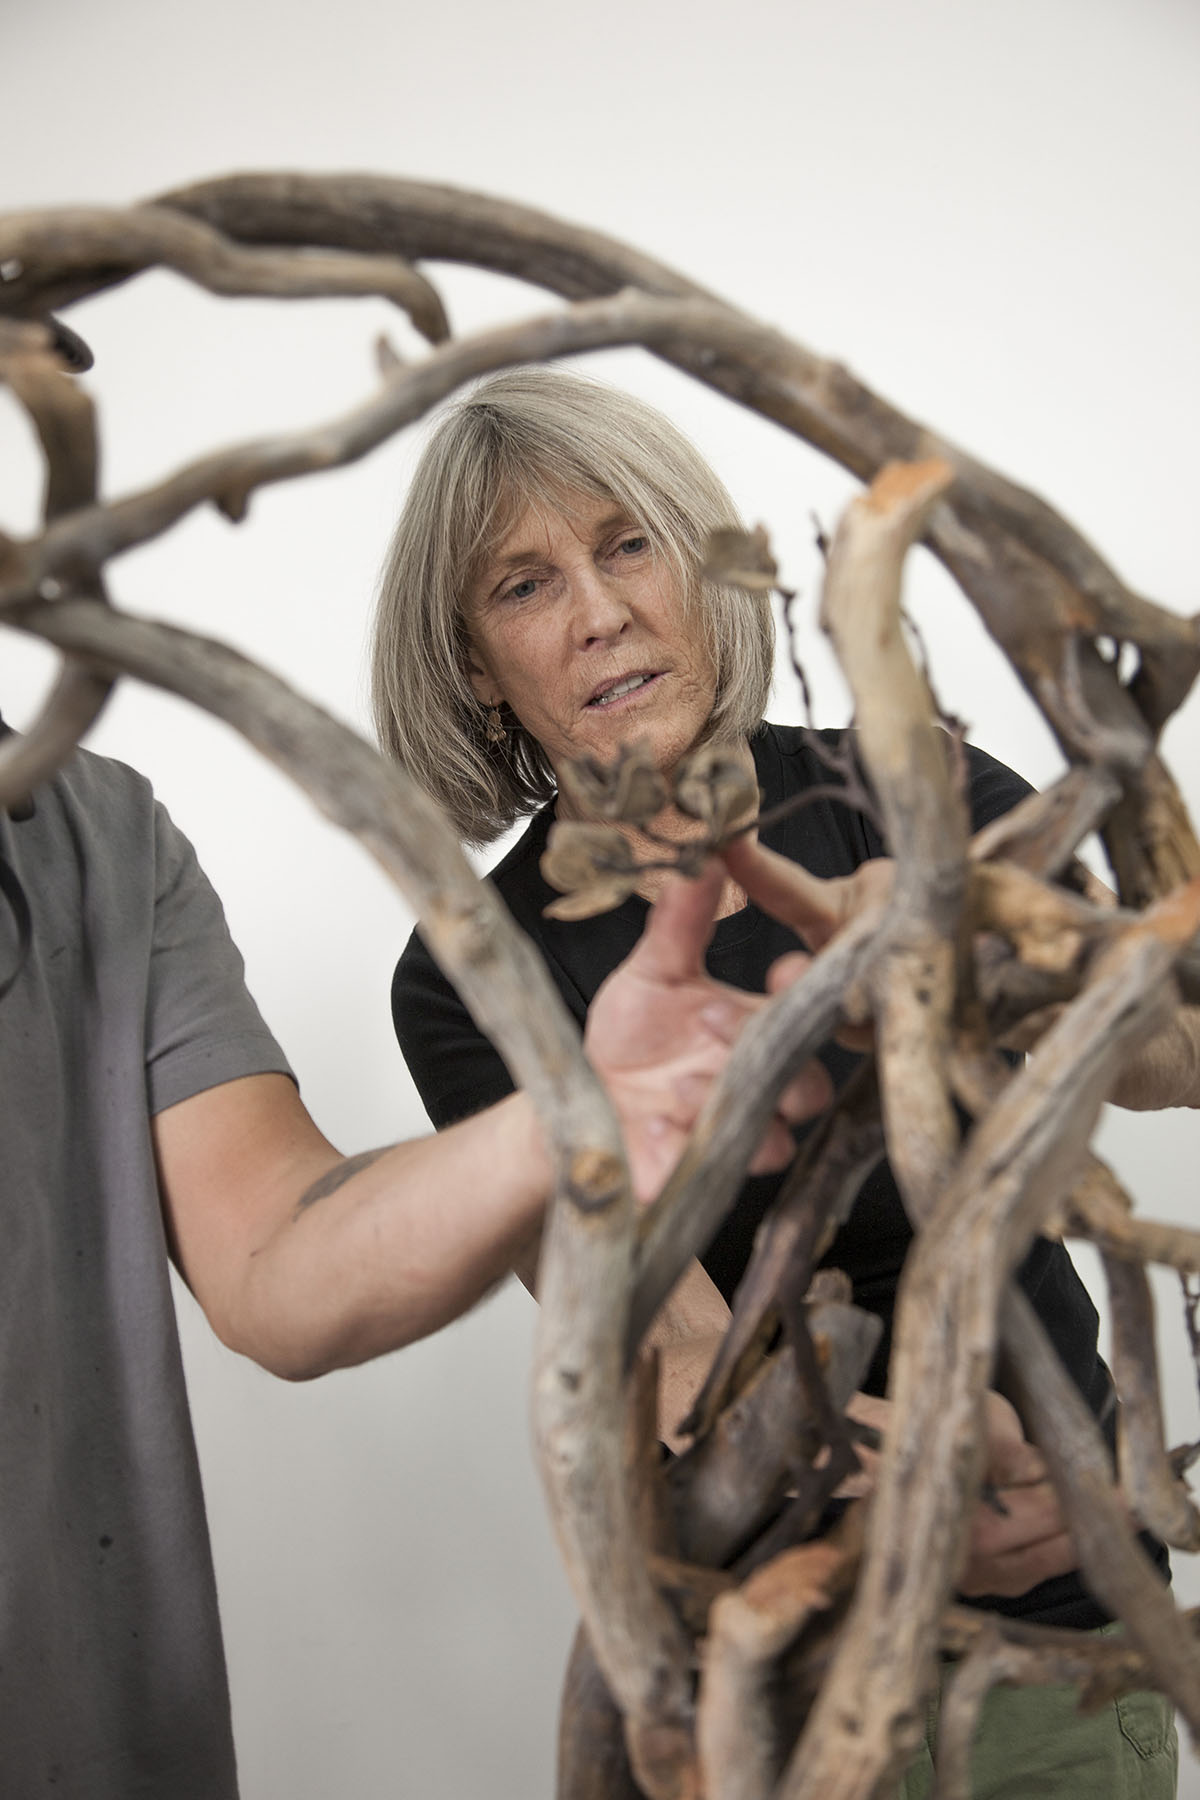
x,y
496,733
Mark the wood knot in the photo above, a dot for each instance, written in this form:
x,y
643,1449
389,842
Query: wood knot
x,y
595,1179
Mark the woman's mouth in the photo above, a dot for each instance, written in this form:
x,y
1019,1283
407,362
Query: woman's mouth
x,y
618,690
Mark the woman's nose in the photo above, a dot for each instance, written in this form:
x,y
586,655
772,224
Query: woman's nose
x,y
601,611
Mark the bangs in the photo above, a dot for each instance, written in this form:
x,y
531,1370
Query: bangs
x,y
545,439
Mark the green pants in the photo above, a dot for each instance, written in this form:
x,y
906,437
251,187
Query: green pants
x,y
1034,1744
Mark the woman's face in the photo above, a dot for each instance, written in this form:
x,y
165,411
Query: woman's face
x,y
580,626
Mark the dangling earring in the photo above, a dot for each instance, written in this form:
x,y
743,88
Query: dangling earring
x,y
496,733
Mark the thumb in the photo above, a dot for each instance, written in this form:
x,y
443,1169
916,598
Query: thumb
x,y
677,933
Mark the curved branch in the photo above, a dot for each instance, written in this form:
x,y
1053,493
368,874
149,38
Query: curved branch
x,y
1056,1656
727,1485
820,1188
71,708
749,1629
64,419
1092,1214
1155,1493
913,987
59,252
591,1763
227,478
1011,1171
1035,581
813,396
1043,831
999,540
1110,1558
588,1247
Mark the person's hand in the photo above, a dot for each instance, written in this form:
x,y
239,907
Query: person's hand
x,y
1010,1551
659,1032
815,909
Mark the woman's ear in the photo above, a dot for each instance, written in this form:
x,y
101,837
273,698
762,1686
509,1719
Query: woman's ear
x,y
482,685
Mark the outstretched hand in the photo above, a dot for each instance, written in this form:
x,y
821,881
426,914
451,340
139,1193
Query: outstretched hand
x,y
659,1033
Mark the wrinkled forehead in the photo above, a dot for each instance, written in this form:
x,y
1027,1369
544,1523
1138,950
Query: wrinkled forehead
x,y
543,496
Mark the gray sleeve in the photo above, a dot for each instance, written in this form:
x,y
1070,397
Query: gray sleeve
x,y
202,1027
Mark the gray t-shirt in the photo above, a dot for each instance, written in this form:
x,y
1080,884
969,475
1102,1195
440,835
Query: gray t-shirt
x,y
112,1676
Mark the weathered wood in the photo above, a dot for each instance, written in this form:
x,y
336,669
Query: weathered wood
x,y
771,1049
815,1199
78,242
64,420
579,1381
730,1482
996,538
865,1723
989,1661
1112,1562
938,1002
592,1760
914,986
1155,1493
1093,1212
750,1629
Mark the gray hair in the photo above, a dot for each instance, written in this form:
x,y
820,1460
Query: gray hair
x,y
537,436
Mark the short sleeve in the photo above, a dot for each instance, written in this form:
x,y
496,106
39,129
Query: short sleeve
x,y
202,1026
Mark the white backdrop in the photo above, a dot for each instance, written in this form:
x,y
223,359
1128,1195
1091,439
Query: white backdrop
x,y
988,212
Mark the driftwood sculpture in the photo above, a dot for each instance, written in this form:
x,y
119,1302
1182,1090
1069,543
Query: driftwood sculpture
x,y
723,1651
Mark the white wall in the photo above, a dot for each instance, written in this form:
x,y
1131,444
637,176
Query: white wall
x,y
987,211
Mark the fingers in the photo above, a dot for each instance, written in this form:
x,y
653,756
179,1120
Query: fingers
x,y
812,907
1011,1460
786,971
807,1094
726,1013
776,1149
1030,1516
1012,1550
680,925
1014,1574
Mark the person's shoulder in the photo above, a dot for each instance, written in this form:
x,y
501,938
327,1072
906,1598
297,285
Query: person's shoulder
x,y
96,807
795,740
518,879
102,781
791,757
527,850
992,787
798,747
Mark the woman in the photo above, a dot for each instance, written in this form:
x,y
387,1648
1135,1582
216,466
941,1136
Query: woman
x,y
542,600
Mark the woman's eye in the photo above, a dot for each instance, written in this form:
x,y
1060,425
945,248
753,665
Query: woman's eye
x,y
633,546
521,590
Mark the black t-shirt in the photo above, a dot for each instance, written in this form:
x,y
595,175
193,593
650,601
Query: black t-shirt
x,y
457,1072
